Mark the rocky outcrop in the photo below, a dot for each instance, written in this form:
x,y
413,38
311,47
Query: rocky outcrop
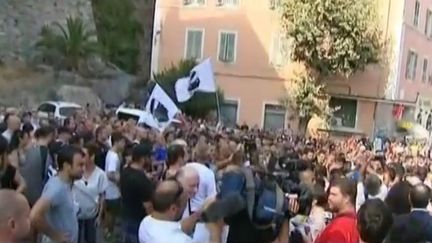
x,y
21,22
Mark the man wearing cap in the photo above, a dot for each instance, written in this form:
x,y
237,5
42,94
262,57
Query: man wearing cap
x,y
136,190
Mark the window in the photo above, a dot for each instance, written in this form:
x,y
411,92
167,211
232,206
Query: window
x,y
48,108
279,53
274,117
227,47
193,2
411,65
194,44
345,114
274,4
416,13
227,2
229,113
425,70
428,24
68,111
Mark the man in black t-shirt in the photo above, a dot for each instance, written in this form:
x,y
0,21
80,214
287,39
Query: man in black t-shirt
x,y
136,190
101,138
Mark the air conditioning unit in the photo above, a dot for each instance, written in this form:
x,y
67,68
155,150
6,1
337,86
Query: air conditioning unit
x,y
219,2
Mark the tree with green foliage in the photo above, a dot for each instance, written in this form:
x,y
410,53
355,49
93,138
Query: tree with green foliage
x,y
201,104
68,45
330,37
333,36
307,98
118,32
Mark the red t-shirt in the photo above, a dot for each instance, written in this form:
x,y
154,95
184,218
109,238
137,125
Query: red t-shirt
x,y
342,229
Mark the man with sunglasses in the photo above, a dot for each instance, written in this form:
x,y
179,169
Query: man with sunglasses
x,y
163,225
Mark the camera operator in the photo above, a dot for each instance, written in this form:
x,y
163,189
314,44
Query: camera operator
x,y
242,229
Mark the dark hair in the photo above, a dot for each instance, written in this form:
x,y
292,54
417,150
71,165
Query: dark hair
x,y
422,173
116,137
44,132
419,196
163,199
141,151
320,195
374,220
174,153
372,184
75,139
347,188
92,148
66,155
397,198
99,129
62,130
27,128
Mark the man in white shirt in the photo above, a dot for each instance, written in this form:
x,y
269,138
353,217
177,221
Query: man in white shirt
x,y
13,124
371,188
206,190
163,226
112,169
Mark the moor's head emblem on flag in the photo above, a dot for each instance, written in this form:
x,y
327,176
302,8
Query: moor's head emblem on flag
x,y
158,110
194,82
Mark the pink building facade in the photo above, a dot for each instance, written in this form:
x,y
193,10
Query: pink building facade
x,y
244,40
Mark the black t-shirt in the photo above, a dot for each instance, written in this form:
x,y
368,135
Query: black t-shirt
x,y
135,189
241,230
100,155
7,178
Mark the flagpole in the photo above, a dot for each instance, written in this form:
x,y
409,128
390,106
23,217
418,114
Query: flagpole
x,y
218,107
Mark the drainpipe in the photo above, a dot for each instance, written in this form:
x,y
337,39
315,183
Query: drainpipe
x,y
382,74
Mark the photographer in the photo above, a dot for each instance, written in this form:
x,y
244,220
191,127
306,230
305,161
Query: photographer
x,y
242,227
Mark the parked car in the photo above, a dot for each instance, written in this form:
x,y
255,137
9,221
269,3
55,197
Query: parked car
x,y
59,110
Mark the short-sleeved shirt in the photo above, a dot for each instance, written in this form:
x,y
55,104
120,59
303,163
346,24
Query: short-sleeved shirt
x,y
112,164
342,229
87,192
153,230
136,189
62,214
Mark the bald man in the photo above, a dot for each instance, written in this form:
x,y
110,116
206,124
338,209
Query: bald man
x,y
14,217
169,202
13,123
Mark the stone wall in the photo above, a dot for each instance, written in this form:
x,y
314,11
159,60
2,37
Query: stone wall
x,y
22,20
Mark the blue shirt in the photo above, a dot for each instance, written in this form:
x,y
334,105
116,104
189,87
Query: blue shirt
x,y
160,153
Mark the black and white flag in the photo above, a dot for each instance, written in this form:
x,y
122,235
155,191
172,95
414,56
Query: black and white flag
x,y
161,108
201,78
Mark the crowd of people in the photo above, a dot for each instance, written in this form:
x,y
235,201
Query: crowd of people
x,y
65,181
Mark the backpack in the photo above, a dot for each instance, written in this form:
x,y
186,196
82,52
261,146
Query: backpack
x,y
265,200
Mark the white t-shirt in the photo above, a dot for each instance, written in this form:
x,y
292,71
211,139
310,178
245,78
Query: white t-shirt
x,y
206,186
360,198
206,189
112,164
87,192
153,230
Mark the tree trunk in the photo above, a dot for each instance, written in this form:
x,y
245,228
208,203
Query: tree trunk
x,y
302,127
145,15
